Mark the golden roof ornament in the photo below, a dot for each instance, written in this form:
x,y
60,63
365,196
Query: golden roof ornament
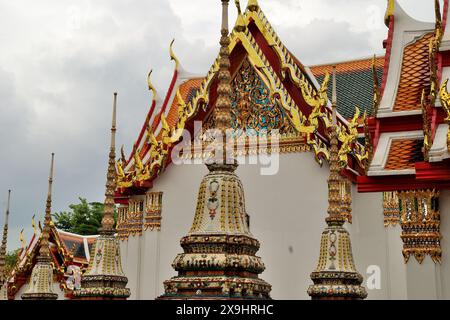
x,y
253,5
173,57
151,87
240,22
104,279
40,286
3,275
389,11
219,260
335,276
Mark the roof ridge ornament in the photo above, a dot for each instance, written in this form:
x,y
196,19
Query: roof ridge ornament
x,y
240,22
253,5
389,11
173,57
151,87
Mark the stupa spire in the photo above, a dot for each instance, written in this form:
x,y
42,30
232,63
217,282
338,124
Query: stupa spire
x,y
3,275
104,279
40,286
219,260
335,276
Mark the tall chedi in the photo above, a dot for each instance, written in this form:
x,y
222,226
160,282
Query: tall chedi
x,y
104,278
3,275
40,286
219,260
335,277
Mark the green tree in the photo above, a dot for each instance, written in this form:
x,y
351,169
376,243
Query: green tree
x,y
11,260
83,218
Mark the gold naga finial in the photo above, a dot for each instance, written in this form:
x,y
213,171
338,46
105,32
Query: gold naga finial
x,y
376,87
173,56
33,224
445,99
164,123
22,241
122,155
151,137
437,8
138,161
151,87
253,5
389,11
240,22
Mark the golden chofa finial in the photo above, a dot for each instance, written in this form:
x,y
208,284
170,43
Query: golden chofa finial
x,y
240,22
151,87
253,5
389,11
173,56
33,224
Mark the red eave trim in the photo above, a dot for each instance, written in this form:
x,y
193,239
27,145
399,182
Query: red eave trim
x,y
435,171
397,183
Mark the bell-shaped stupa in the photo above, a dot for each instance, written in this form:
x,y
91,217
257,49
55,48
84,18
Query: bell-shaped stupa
x,y
219,259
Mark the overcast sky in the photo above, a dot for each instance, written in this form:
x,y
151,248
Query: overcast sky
x,y
61,61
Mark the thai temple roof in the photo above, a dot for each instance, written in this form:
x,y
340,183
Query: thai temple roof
x,y
354,83
191,97
66,249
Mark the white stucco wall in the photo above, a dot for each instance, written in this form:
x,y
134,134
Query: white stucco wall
x,y
287,212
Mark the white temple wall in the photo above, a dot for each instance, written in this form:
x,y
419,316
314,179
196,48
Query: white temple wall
x,y
150,245
444,272
287,213
132,267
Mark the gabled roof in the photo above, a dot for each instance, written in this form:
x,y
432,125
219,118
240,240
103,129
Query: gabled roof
x,y
287,79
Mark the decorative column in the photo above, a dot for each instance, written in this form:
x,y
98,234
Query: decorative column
x,y
3,271
104,279
40,286
335,277
219,259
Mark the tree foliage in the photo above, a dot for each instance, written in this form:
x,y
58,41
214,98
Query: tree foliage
x,y
83,218
11,260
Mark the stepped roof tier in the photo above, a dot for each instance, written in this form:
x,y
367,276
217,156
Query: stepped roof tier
x,y
408,132
290,89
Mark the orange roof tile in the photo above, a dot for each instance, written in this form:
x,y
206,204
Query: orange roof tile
x,y
415,75
347,66
404,153
187,89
